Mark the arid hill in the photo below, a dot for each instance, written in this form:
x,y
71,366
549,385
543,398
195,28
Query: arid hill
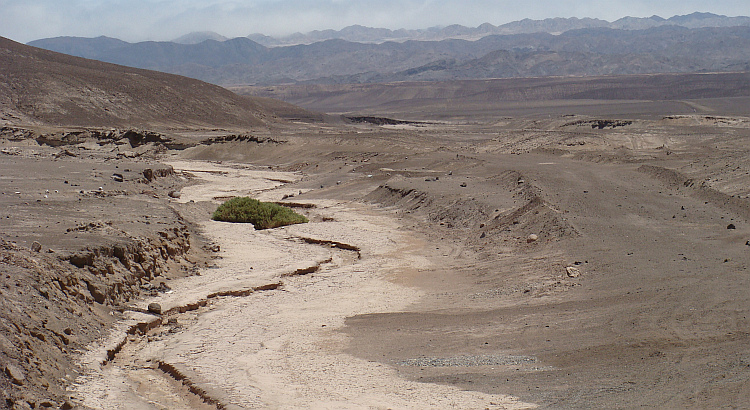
x,y
44,87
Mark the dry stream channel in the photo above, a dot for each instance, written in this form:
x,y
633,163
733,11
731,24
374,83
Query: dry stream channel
x,y
261,328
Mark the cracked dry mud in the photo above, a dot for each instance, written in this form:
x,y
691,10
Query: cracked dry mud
x,y
280,348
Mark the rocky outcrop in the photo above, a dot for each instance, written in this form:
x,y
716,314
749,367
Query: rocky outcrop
x,y
56,303
530,214
116,273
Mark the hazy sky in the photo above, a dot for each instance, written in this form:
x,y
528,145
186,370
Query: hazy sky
x,y
138,20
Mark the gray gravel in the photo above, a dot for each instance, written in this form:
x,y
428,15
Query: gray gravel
x,y
468,361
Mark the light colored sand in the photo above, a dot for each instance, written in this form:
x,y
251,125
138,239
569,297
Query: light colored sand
x,y
282,348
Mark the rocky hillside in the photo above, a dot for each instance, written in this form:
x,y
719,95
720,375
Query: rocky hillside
x,y
44,87
580,52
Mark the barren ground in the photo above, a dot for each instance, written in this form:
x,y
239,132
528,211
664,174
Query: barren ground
x,y
417,283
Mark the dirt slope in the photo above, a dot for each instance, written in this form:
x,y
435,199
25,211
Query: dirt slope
x,y
448,98
40,86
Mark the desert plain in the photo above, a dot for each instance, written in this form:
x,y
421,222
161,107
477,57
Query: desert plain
x,y
487,253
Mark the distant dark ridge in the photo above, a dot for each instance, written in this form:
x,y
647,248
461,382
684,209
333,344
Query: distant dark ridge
x,y
379,121
583,52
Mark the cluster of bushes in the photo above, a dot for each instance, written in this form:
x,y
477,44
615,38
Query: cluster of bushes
x,y
263,215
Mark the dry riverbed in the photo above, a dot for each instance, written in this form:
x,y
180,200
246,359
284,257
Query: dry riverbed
x,y
261,327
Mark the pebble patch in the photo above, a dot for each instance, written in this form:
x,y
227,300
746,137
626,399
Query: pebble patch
x,y
468,361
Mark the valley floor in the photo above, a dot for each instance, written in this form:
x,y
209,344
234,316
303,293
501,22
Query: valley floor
x,y
559,262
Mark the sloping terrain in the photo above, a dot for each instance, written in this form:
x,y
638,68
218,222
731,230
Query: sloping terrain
x,y
40,86
573,242
446,99
87,226
587,51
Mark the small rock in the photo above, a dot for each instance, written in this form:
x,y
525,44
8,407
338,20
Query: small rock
x,y
148,173
483,235
174,194
731,226
463,185
154,308
67,406
15,374
97,293
36,246
44,292
48,404
573,272
118,177
532,238
22,405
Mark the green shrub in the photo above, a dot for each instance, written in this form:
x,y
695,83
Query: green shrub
x,y
263,215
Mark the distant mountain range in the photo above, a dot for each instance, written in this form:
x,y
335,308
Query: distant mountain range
x,y
578,47
361,34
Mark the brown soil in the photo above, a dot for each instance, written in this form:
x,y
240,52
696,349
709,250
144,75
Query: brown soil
x,y
653,313
570,254
40,86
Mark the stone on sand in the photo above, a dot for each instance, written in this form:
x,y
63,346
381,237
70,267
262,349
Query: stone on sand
x,y
573,272
154,308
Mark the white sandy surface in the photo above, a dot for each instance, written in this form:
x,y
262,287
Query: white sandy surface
x,y
281,348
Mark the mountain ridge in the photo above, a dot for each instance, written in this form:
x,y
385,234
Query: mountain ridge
x,y
359,33
580,52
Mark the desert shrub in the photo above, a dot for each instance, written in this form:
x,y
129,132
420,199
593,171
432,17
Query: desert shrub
x,y
263,215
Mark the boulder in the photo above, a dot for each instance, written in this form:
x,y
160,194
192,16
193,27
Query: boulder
x,y
154,308
15,374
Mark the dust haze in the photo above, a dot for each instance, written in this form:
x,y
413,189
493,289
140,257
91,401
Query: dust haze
x,y
146,20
